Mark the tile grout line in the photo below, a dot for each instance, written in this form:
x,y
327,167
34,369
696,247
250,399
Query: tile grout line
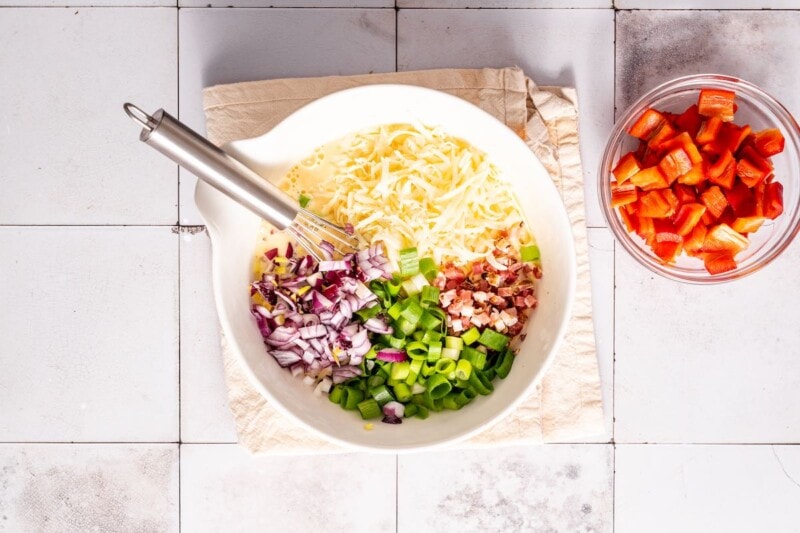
x,y
180,247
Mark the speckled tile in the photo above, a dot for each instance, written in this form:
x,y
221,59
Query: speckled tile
x,y
656,46
489,4
699,489
66,488
707,4
224,488
90,346
287,3
205,416
555,47
708,364
69,154
230,45
538,489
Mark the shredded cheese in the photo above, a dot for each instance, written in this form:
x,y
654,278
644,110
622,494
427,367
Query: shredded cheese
x,y
411,185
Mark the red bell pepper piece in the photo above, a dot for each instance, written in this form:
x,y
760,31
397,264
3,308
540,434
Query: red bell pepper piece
x,y
689,121
719,262
696,175
748,224
773,200
684,193
716,103
723,171
749,173
627,167
664,133
693,242
741,200
722,238
649,178
674,164
646,124
708,130
714,200
628,219
687,218
683,141
623,194
769,142
646,230
654,205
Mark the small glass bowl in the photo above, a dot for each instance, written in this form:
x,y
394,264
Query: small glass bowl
x,y
760,111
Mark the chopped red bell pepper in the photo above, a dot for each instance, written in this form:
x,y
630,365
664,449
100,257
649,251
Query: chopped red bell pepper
x,y
719,262
627,167
773,200
697,175
714,200
664,133
646,124
684,193
741,199
687,218
623,194
748,224
693,242
716,103
654,205
628,219
709,130
689,121
769,142
646,229
723,171
674,164
649,178
683,141
750,173
722,238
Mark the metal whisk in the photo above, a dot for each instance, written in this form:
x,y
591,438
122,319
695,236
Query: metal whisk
x,y
230,176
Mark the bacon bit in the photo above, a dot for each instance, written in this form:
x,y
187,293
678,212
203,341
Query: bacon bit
x,y
530,301
468,310
480,296
465,296
505,292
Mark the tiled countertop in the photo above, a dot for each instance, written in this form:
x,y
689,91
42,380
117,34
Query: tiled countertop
x,y
112,408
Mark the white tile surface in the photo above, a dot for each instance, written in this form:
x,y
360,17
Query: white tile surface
x,y
759,46
90,336
708,364
64,488
205,416
707,4
287,3
540,488
69,154
86,3
601,259
554,47
223,488
273,43
698,489
450,4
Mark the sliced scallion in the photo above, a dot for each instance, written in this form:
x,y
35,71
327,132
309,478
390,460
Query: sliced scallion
x,y
463,369
409,262
470,336
529,253
369,409
438,386
428,268
493,340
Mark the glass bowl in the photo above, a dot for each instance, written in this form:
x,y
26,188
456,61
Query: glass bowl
x,y
760,111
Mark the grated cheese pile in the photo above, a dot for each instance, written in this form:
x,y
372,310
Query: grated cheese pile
x,y
411,185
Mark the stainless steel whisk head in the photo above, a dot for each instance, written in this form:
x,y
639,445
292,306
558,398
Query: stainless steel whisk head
x,y
232,177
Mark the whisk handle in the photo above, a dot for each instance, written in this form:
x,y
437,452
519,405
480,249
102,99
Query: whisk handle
x,y
225,173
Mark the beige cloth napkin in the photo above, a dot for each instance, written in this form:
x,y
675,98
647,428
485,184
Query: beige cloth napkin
x,y
567,404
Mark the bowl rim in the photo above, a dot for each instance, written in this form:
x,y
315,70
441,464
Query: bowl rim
x,y
204,194
618,134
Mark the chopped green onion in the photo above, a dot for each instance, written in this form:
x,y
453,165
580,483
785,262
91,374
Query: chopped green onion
x,y
476,358
410,410
505,364
376,380
463,369
417,350
429,295
529,253
409,262
412,311
369,409
372,353
391,382
429,321
428,370
422,412
394,310
368,312
351,396
466,396
393,287
405,326
303,200
414,369
480,383
454,342
489,374
434,352
428,268
431,337
451,401
381,394
470,336
438,405
400,370
462,383
336,394
450,353
418,335
395,341
402,392
493,340
445,366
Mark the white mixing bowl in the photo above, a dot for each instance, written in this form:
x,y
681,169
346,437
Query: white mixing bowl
x,y
234,232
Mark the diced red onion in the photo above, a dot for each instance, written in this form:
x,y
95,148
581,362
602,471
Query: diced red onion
x,y
392,420
327,249
391,355
376,325
327,266
394,409
285,358
271,253
312,332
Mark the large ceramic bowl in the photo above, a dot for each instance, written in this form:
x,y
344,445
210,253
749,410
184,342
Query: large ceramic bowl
x,y
234,233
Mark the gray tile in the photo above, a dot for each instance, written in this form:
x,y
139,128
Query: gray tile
x,y
69,154
90,350
707,4
708,364
558,487
656,46
487,4
601,259
205,416
554,47
87,3
224,488
736,489
77,488
231,45
286,3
